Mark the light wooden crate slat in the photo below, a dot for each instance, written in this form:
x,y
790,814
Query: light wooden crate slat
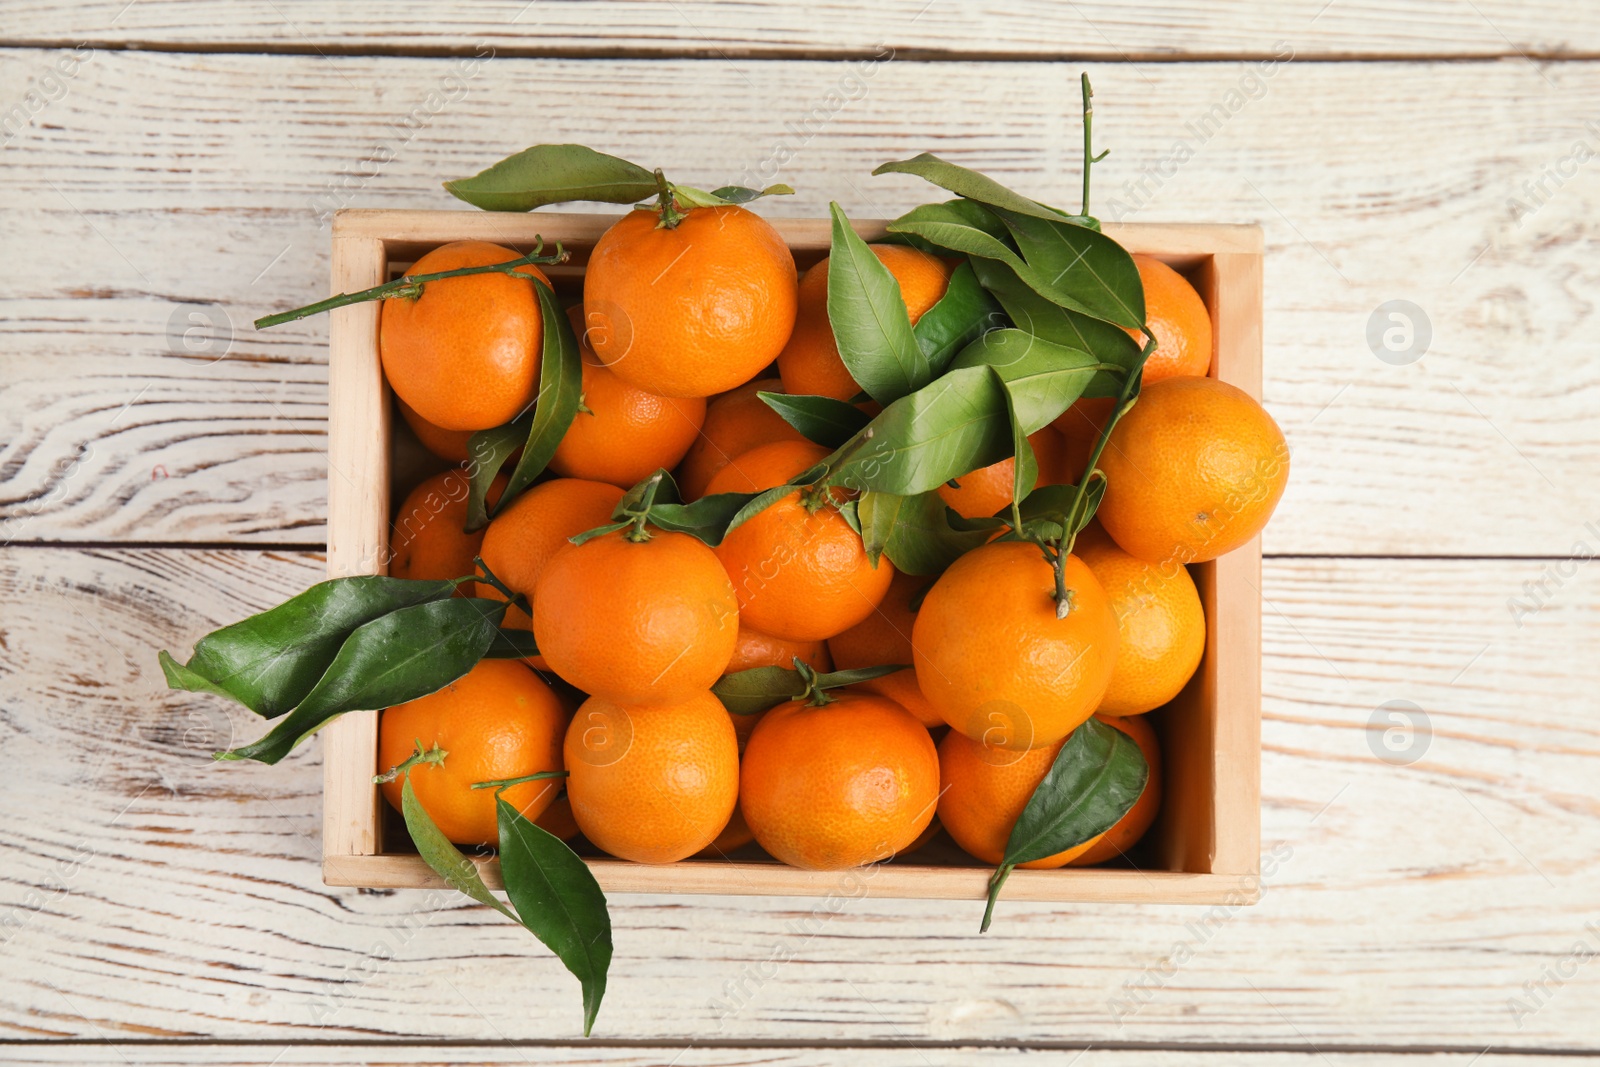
x,y
209,190
1100,29
165,895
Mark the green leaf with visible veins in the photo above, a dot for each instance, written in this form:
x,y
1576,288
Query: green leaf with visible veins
x,y
1049,321
1093,782
970,184
554,174
822,419
1082,269
960,316
558,901
437,850
560,387
869,319
920,534
270,661
404,655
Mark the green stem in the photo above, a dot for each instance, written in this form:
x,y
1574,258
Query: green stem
x,y
667,203
814,694
640,516
506,591
995,882
1058,563
1089,158
410,286
1125,401
432,755
506,783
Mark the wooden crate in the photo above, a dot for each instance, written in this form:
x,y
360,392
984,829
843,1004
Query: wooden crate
x,y
1204,848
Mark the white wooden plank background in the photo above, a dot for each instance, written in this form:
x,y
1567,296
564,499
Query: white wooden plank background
x,y
150,492
1098,28
270,1055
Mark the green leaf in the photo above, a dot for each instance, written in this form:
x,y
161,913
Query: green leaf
x,y
1051,503
728,194
1083,269
970,184
960,226
960,316
512,644
869,318
559,901
709,519
1096,777
404,655
822,419
554,174
753,691
1041,317
920,534
961,421
1041,377
560,387
1025,468
954,425
440,853
1068,265
488,451
270,661
850,512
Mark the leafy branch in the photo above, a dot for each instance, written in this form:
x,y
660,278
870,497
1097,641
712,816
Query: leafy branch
x,y
409,287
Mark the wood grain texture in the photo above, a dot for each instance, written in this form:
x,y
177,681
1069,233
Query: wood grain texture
x,y
159,181
148,893
1035,28
384,1055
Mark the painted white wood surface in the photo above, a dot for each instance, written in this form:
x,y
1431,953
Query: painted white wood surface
x,y
1098,28
272,1055
160,182
148,893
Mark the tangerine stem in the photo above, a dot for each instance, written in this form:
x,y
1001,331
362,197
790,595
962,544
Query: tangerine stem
x,y
996,880
1058,561
506,783
814,694
1089,158
667,203
1125,401
432,755
511,595
410,286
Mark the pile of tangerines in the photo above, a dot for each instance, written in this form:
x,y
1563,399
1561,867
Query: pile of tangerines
x,y
689,317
